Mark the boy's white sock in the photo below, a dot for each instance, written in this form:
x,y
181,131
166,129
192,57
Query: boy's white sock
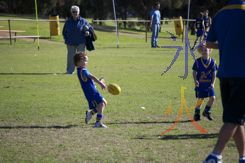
x,y
217,155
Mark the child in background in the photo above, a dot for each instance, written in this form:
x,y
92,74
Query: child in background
x,y
200,29
95,100
204,75
207,23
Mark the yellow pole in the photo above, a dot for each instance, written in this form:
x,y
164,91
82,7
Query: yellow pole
x,y
37,24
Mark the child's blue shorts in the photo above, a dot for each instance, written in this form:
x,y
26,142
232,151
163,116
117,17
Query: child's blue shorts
x,y
204,93
95,101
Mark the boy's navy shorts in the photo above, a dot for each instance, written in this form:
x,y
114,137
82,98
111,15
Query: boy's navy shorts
x,y
233,99
95,101
204,93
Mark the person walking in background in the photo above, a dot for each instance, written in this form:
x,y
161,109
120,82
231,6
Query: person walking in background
x,y
74,32
200,28
155,23
207,23
227,34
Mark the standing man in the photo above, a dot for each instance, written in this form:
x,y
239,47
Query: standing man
x,y
227,34
74,35
155,24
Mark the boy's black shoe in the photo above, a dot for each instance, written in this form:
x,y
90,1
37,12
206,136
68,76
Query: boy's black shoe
x,y
207,115
197,117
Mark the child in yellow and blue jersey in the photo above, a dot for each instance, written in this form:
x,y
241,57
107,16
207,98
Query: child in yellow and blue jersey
x,y
204,75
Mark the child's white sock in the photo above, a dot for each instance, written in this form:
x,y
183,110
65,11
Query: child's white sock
x,y
217,155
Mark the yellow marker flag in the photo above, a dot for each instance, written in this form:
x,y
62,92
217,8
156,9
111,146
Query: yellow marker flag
x,y
168,111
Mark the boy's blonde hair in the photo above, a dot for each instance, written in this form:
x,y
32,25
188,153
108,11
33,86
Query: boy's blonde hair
x,y
80,56
201,47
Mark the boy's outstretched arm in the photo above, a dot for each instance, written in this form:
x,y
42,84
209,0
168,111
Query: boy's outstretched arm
x,y
102,85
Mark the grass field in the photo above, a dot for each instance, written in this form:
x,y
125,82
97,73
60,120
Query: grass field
x,y
42,109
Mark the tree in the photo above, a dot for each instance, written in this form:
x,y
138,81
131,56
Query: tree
x,y
123,9
102,9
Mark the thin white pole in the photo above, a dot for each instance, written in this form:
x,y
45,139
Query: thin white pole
x,y
188,14
36,11
187,42
115,18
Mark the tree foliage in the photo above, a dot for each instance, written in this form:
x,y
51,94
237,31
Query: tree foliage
x,y
102,9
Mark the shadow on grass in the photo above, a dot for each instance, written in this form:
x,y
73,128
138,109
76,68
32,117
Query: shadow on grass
x,y
73,126
148,122
180,137
38,126
30,73
190,136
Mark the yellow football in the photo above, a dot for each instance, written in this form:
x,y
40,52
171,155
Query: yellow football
x,y
113,89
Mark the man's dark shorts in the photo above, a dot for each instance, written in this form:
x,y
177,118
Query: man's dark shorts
x,y
233,100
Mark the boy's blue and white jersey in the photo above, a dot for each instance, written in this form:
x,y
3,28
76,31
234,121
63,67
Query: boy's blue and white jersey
x,y
87,84
205,70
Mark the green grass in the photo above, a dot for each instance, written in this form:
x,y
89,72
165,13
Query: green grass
x,y
42,110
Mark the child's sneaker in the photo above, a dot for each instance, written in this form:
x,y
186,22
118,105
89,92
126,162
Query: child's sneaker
x,y
99,125
196,117
207,115
212,159
88,116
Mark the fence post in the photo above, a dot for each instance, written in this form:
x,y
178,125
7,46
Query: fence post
x,y
183,32
10,38
146,29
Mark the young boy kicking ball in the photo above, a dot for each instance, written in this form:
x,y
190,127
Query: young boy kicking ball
x,y
204,75
95,100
